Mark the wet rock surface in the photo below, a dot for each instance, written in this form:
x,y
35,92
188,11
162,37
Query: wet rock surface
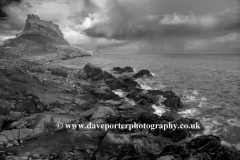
x,y
34,102
119,70
143,73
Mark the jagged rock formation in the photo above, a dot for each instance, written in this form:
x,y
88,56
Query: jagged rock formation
x,y
40,37
44,28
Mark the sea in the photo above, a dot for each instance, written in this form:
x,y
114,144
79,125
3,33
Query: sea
x,y
208,85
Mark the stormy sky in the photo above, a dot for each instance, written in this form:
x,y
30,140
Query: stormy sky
x,y
135,26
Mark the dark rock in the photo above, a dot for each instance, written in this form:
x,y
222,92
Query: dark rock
x,y
102,91
175,135
225,153
37,69
92,71
167,94
113,119
143,73
104,76
129,69
105,95
205,143
155,92
176,150
173,102
117,151
125,83
142,97
171,116
189,125
202,156
59,72
133,93
81,74
150,118
119,70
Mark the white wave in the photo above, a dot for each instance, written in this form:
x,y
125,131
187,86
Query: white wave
x,y
189,98
225,143
145,86
202,102
159,110
153,74
130,101
211,126
189,112
120,93
134,70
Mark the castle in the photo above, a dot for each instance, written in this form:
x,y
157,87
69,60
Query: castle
x,y
34,25
31,18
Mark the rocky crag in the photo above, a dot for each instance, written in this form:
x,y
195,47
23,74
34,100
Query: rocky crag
x,y
40,27
35,97
40,37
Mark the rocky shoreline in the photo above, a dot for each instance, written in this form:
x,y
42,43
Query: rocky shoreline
x,y
34,96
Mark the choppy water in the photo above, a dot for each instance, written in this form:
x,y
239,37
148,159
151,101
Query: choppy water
x,y
209,85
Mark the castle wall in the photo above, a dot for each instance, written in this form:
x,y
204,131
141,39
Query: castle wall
x,y
46,24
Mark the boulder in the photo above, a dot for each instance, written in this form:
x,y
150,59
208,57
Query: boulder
x,y
171,116
124,83
129,69
92,71
81,74
104,76
119,70
142,97
102,112
167,94
59,72
173,102
143,74
205,143
102,91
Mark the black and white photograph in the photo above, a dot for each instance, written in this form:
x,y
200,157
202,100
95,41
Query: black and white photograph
x,y
119,79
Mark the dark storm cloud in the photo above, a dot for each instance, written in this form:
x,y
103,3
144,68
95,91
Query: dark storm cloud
x,y
4,3
88,8
117,27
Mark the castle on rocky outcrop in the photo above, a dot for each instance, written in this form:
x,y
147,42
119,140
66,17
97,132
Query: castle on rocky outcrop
x,y
34,25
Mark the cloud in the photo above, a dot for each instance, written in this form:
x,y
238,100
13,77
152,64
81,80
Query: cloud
x,y
152,18
120,22
221,45
205,21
